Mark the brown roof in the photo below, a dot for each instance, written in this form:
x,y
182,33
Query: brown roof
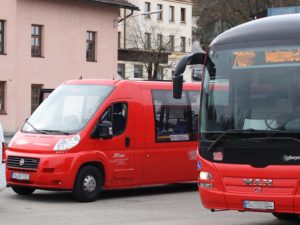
x,y
119,3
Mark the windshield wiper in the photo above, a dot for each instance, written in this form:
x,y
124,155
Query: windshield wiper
x,y
35,129
226,133
56,132
272,138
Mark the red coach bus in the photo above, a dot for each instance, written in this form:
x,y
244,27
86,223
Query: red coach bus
x,y
249,157
90,135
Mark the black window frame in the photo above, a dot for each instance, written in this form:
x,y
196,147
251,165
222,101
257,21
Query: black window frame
x,y
37,40
182,15
2,37
171,14
91,41
140,69
35,96
3,97
121,65
160,14
182,44
190,112
147,40
171,43
147,10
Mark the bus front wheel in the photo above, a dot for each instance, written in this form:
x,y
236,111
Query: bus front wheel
x,y
88,184
286,216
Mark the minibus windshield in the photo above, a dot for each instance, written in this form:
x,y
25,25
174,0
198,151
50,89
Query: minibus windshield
x,y
67,110
253,89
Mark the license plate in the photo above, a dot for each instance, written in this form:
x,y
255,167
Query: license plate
x,y
20,176
260,205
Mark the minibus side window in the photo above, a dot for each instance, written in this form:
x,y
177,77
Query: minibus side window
x,y
175,119
116,115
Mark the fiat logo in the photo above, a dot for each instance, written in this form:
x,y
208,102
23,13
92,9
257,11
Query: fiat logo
x,y
22,162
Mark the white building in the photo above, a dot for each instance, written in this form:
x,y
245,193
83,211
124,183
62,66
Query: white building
x,y
163,29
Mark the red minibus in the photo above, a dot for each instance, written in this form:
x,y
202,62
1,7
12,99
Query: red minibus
x,y
90,135
249,157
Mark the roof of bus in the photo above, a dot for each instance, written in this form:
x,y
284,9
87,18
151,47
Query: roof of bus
x,y
281,27
143,83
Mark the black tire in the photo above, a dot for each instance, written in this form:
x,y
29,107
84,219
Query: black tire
x,y
88,184
22,190
286,216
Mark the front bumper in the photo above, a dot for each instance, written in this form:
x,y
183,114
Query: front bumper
x,y
52,172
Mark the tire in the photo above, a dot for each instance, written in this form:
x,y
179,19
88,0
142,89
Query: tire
x,y
285,216
23,190
88,184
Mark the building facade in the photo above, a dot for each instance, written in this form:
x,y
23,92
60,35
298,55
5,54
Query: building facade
x,y
45,42
163,27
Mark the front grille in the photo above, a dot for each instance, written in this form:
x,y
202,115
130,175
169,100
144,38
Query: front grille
x,y
22,162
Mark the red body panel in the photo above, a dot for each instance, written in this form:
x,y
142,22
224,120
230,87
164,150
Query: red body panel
x,y
229,189
144,162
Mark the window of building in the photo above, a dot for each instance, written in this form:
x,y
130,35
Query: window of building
x,y
119,39
182,15
35,96
2,23
160,14
160,73
171,43
147,10
116,115
36,40
171,14
175,119
121,70
182,44
2,96
138,71
159,41
147,40
90,46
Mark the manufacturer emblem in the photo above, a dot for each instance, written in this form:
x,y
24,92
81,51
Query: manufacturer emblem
x,y
258,182
258,189
22,162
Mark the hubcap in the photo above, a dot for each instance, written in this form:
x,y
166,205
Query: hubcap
x,y
89,183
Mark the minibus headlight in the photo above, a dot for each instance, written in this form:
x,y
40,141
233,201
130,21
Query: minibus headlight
x,y
65,144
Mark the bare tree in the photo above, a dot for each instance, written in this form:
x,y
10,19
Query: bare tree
x,y
216,16
152,47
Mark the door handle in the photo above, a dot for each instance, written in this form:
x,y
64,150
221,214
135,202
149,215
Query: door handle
x,y
127,141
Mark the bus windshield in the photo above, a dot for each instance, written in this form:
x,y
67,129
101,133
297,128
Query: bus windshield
x,y
251,89
67,110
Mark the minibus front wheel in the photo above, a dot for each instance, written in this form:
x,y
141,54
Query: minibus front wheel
x,y
22,190
88,184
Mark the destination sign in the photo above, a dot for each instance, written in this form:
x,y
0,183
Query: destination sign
x,y
259,57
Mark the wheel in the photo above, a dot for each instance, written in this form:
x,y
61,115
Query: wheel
x,y
286,216
88,184
23,190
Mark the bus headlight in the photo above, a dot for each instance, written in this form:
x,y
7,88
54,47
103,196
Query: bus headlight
x,y
65,144
205,176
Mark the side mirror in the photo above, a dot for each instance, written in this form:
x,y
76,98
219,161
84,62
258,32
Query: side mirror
x,y
196,58
105,130
177,86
